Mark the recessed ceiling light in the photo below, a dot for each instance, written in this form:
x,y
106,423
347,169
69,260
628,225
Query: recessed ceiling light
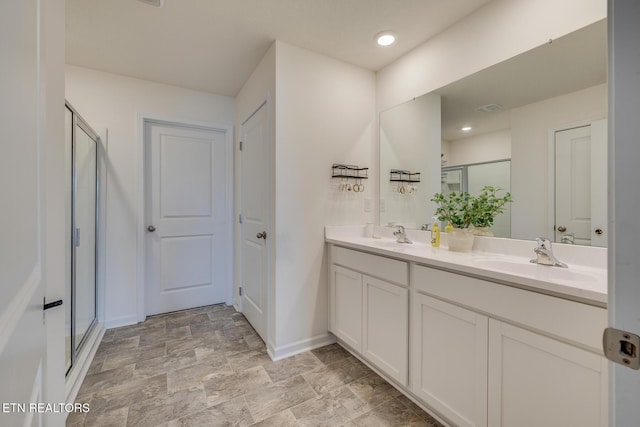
x,y
385,38
466,128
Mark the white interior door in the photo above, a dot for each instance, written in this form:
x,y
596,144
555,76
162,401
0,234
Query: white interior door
x,y
187,221
254,233
573,184
22,225
581,183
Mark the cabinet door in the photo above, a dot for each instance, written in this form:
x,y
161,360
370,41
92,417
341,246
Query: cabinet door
x,y
385,325
345,302
538,381
449,359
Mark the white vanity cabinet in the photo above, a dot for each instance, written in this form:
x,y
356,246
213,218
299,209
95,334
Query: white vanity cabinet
x,y
345,317
385,327
449,359
369,308
505,356
535,380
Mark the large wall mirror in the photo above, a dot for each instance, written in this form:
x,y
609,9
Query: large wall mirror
x,y
537,129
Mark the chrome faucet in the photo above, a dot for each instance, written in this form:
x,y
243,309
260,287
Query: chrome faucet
x,y
544,254
401,236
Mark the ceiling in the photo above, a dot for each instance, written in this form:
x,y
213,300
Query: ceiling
x,y
214,45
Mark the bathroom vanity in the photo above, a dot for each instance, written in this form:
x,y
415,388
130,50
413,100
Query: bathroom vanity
x,y
483,338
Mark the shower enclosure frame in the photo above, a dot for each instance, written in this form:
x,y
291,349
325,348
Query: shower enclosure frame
x,y
77,347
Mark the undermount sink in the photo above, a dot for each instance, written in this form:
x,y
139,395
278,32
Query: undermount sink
x,y
536,271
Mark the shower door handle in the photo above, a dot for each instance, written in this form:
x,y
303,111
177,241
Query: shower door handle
x,y
53,304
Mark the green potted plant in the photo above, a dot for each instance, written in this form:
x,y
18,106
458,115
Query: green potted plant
x,y
455,210
465,212
485,207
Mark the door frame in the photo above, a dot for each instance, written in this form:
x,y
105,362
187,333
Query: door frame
x,y
624,107
551,165
142,208
270,245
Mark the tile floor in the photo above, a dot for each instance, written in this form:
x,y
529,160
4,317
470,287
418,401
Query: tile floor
x,y
208,367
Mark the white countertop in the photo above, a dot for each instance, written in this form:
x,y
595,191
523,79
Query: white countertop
x,y
585,280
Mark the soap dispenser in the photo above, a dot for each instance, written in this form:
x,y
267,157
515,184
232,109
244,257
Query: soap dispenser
x,y
435,232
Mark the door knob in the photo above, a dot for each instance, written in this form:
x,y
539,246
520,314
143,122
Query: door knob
x,y
262,235
599,231
151,228
562,229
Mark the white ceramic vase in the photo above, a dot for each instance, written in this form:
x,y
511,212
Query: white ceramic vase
x,y
482,231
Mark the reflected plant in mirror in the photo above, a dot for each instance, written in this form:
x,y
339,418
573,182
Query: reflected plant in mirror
x,y
462,210
486,206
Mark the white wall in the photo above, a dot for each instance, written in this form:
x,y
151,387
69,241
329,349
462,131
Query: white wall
x,y
487,147
530,172
114,101
497,31
325,113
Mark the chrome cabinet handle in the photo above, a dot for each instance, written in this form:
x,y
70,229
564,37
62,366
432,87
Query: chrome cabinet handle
x,y
262,235
562,229
151,228
599,231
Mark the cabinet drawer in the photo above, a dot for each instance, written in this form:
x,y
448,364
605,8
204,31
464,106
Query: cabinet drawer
x,y
388,269
569,320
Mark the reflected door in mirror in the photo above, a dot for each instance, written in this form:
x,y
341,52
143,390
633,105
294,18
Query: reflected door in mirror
x,y
580,185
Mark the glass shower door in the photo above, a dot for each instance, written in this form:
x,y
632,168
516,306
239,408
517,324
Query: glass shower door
x,y
84,233
452,180
81,165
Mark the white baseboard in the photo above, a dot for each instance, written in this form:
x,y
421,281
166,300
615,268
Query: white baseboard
x,y
282,352
79,370
121,321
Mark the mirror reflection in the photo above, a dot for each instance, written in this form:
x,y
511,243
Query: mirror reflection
x,y
472,178
534,125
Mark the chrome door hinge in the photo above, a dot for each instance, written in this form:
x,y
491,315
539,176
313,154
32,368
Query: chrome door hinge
x,y
241,145
240,291
240,218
